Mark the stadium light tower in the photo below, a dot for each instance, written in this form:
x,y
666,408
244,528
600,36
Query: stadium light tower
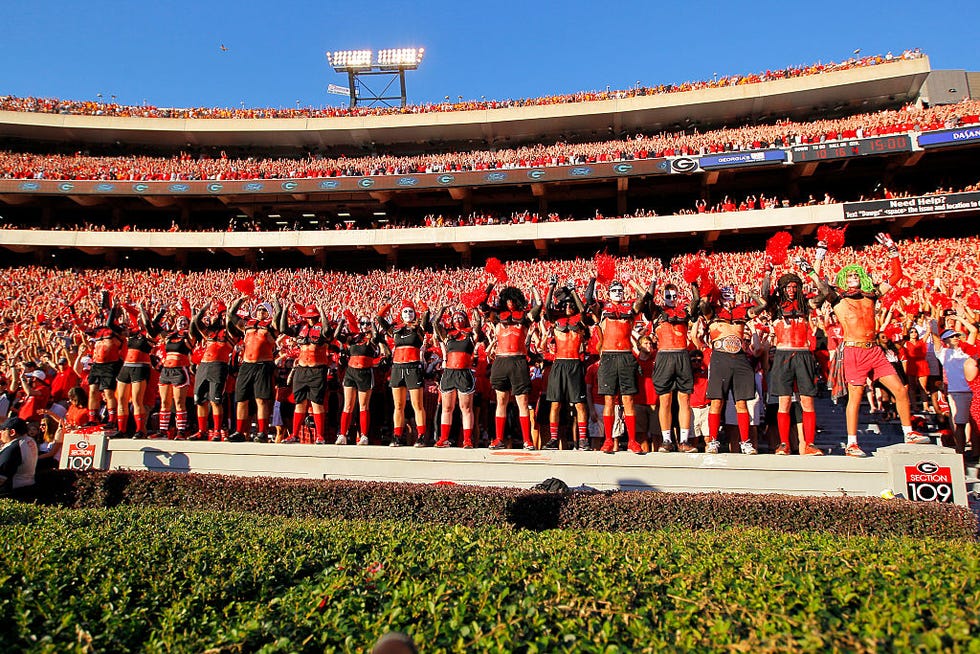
x,y
387,65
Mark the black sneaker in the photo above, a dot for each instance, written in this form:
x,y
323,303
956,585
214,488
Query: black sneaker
x,y
584,445
198,436
139,434
236,437
551,444
260,438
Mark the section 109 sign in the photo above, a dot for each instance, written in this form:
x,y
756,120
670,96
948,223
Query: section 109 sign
x,y
928,482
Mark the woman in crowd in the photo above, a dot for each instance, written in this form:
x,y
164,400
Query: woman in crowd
x,y
457,385
407,337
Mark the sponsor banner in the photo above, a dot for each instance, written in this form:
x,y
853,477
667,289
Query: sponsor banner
x,y
325,185
916,206
734,159
950,137
926,481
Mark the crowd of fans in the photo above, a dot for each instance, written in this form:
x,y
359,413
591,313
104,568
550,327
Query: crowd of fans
x,y
79,166
726,204
47,319
100,108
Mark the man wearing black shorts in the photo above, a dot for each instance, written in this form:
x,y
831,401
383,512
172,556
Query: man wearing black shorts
x,y
566,383
255,376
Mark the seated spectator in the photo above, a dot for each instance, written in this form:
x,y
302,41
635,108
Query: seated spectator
x,y
18,458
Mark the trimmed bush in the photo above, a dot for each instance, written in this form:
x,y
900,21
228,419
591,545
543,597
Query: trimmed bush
x,y
477,506
155,580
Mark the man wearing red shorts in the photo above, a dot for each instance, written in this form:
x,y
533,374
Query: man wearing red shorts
x,y
854,302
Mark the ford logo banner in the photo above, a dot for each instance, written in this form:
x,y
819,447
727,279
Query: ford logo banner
x,y
105,188
253,186
407,181
179,188
29,186
580,171
496,177
329,184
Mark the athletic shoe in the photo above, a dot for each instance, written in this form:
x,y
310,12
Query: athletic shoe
x,y
341,440
137,435
783,449
467,444
260,438
291,439
497,445
855,451
584,445
809,449
236,437
686,448
712,446
395,442
214,436
529,447
668,446
198,436
420,442
608,447
551,444
179,436
747,448
443,442
916,438
363,440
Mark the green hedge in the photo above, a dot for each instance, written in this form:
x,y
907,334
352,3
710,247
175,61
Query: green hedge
x,y
477,506
165,580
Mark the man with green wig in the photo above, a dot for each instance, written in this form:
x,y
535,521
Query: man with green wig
x,y
858,357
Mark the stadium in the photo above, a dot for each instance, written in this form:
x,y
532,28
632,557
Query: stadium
x,y
324,256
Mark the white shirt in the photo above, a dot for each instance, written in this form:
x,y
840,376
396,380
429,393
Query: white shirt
x,y
952,359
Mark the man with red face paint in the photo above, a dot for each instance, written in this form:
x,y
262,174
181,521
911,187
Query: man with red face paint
x,y
794,366
569,327
510,375
255,377
209,327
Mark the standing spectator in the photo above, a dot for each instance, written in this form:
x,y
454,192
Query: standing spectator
x,y
18,457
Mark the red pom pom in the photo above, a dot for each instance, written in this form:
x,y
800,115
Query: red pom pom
x,y
185,308
834,238
693,271
351,321
605,268
472,299
776,247
246,286
41,318
973,301
496,270
940,300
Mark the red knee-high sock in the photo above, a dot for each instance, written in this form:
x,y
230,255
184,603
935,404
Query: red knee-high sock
x,y
553,431
743,426
501,424
526,429
202,424
140,422
217,422
583,430
782,422
398,431
318,424
122,421
111,415
468,436
607,423
164,420
809,426
240,425
263,425
298,417
365,422
630,428
420,432
345,422
444,431
714,424
181,420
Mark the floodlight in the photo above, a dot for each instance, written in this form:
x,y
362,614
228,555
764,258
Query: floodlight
x,y
406,58
347,60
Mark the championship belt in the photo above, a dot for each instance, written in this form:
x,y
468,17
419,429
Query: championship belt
x,y
730,344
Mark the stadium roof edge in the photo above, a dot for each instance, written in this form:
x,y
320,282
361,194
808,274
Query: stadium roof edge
x,y
857,89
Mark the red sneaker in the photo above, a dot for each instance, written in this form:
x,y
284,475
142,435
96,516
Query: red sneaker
x,y
608,447
809,449
783,449
635,448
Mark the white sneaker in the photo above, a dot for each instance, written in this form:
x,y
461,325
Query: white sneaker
x,y
363,440
712,447
341,440
916,438
747,448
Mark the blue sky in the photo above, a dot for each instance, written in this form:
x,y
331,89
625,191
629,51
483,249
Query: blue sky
x,y
168,53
